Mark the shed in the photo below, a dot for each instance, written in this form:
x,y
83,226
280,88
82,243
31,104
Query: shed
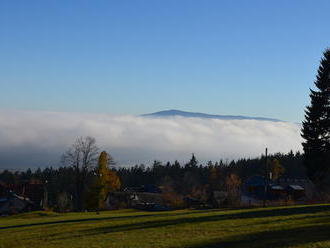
x,y
13,203
295,191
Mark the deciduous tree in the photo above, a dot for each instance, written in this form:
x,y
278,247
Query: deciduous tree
x,y
82,157
276,168
106,181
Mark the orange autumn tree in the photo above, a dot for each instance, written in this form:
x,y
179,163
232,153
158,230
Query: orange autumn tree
x,y
106,181
276,168
233,184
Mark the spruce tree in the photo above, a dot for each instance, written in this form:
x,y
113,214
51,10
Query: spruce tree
x,y
316,127
192,164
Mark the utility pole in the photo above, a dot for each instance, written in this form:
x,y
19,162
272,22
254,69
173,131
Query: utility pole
x,y
266,177
45,198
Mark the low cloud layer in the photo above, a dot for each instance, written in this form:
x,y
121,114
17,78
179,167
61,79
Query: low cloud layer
x,y
34,138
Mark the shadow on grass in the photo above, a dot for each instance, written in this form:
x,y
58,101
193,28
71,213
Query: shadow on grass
x,y
260,213
201,219
75,221
272,239
96,219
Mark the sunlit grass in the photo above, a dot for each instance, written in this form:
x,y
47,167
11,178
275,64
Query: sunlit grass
x,y
295,226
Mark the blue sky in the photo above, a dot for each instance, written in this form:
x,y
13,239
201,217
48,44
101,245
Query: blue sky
x,y
256,58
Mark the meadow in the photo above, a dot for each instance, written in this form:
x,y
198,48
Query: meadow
x,y
292,226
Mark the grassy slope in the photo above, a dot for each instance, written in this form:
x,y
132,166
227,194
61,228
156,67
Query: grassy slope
x,y
297,226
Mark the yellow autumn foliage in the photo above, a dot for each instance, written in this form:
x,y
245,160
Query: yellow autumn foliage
x,y
107,181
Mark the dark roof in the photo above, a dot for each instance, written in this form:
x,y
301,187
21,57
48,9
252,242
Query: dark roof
x,y
295,187
276,187
148,188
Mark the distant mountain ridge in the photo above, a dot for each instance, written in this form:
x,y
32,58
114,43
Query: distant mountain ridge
x,y
174,112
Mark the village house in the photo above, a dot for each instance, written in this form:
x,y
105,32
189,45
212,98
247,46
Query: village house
x,y
147,197
256,189
20,198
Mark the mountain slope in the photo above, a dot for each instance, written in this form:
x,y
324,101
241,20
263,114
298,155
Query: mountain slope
x,y
173,112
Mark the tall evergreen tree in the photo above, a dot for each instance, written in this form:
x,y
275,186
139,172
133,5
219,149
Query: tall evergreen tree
x,y
316,127
192,164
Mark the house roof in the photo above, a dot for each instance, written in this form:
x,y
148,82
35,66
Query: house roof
x,y
296,187
276,187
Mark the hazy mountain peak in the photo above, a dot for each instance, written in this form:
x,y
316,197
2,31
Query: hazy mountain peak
x,y
175,112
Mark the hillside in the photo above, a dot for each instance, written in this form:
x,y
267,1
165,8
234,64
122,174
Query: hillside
x,y
296,226
173,112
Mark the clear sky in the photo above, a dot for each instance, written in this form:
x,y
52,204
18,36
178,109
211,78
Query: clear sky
x,y
256,58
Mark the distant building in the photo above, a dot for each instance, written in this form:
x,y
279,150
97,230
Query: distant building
x,y
10,203
256,189
147,197
20,198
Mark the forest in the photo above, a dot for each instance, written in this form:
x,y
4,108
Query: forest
x,y
177,180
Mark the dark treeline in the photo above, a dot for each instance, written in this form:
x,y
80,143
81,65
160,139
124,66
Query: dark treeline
x,y
190,179
244,168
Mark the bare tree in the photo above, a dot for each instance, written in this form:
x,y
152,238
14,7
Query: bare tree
x,y
82,157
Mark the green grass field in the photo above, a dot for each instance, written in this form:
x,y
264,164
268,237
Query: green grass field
x,y
295,226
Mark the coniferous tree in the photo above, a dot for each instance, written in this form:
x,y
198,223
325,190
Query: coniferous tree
x,y
316,127
192,164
